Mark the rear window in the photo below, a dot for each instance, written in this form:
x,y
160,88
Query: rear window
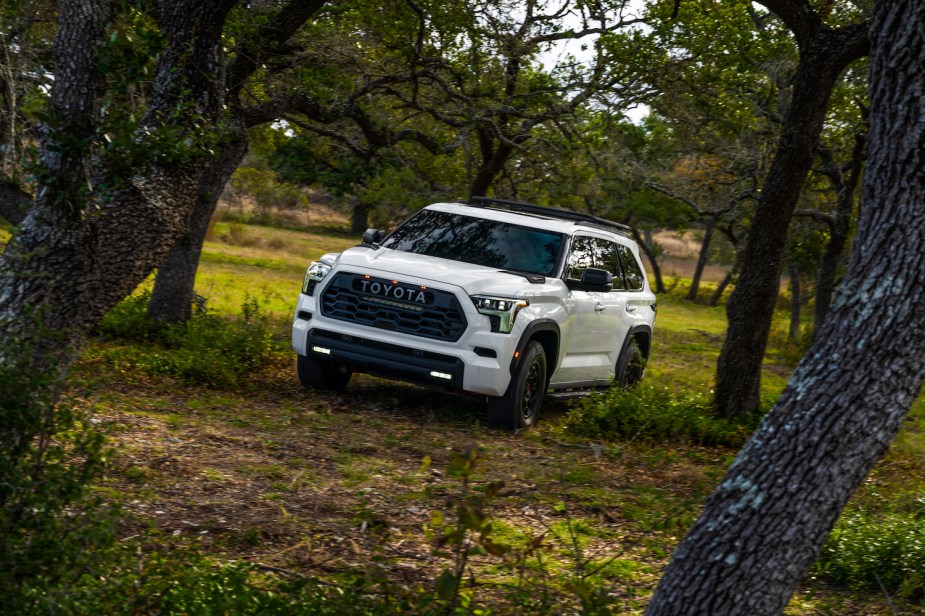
x,y
478,241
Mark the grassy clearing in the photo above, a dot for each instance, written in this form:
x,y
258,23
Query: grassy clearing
x,y
306,485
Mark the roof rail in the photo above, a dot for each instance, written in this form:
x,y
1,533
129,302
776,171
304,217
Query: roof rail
x,y
551,212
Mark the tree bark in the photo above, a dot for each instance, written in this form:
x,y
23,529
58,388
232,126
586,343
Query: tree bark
x,y
172,296
77,253
824,53
701,260
764,525
174,285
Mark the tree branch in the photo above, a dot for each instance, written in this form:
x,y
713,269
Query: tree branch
x,y
269,37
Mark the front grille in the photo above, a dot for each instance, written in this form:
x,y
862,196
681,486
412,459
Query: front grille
x,y
390,305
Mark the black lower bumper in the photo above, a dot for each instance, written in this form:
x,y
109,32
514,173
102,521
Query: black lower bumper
x,y
384,359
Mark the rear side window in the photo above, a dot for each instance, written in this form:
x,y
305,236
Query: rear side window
x,y
634,275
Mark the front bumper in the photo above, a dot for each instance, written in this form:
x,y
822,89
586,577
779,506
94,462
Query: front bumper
x,y
386,359
479,362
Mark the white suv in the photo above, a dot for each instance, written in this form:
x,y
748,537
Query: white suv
x,y
497,298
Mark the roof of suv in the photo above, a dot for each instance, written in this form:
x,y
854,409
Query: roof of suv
x,y
550,219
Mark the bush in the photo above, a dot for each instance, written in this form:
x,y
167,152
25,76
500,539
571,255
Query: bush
x,y
183,581
206,350
883,553
652,414
50,525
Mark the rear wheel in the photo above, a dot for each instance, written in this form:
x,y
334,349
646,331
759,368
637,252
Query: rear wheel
x,y
631,366
519,407
321,375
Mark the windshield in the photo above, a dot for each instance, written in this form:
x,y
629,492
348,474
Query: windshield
x,y
478,241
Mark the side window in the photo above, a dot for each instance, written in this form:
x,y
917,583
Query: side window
x,y
597,253
606,259
634,275
580,258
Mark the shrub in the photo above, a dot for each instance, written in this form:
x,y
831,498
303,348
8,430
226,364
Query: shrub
x,y
652,414
207,350
178,579
879,552
50,525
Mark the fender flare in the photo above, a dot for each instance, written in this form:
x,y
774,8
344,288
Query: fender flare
x,y
537,325
637,329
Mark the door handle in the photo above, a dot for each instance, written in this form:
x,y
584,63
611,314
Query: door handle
x,y
599,307
630,308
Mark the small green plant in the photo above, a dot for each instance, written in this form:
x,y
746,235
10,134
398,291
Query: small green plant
x,y
653,414
469,534
207,349
877,552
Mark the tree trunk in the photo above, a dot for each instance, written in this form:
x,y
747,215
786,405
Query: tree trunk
x,y
718,293
172,297
75,256
493,160
701,260
765,523
841,226
649,248
359,217
796,303
751,306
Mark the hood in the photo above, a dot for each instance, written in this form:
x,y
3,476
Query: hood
x,y
473,279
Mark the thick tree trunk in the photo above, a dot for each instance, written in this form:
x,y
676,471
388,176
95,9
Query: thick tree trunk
x,y
67,264
823,55
763,526
172,296
796,303
701,260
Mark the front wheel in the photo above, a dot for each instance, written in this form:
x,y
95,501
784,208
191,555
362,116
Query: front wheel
x,y
520,405
321,375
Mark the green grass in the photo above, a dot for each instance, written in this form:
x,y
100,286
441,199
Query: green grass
x,y
328,484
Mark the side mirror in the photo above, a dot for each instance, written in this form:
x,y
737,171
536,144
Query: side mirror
x,y
597,278
373,236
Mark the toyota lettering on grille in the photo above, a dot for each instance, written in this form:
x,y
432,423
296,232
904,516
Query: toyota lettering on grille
x,y
393,291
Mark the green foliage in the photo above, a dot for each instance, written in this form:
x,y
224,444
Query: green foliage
x,y
652,414
50,527
876,552
266,189
469,534
207,349
180,580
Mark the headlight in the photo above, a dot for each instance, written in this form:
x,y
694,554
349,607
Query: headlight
x,y
501,311
315,272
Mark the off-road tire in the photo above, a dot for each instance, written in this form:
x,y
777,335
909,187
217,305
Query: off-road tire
x,y
519,407
320,375
631,367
